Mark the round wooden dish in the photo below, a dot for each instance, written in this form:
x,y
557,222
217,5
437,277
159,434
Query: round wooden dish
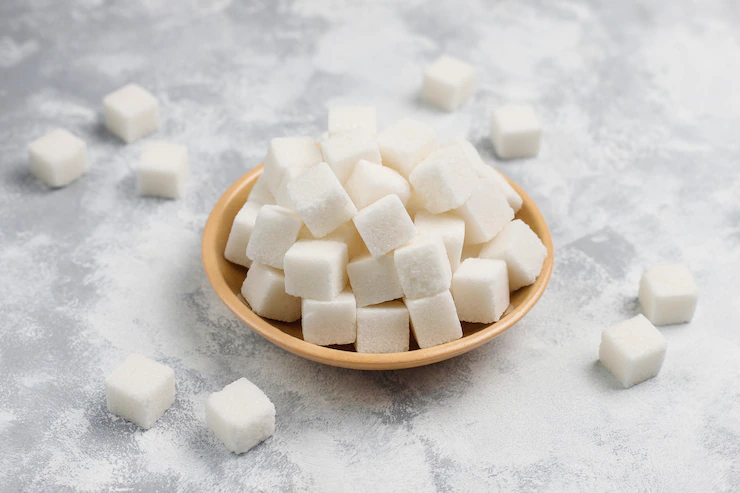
x,y
226,279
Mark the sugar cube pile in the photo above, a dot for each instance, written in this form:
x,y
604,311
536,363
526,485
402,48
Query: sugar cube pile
x,y
381,241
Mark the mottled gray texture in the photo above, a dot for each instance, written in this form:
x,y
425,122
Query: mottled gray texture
x,y
639,165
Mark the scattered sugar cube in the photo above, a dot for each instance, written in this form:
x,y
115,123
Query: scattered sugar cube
x,y
444,180
316,269
344,150
480,288
515,132
140,390
351,117
370,182
58,158
320,200
668,294
374,279
423,267
260,194
521,249
163,170
131,112
240,415
330,322
447,226
383,328
281,196
275,230
471,250
241,230
264,290
448,83
434,319
485,213
632,350
384,225
405,144
288,152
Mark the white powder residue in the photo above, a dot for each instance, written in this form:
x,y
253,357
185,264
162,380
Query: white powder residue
x,y
13,52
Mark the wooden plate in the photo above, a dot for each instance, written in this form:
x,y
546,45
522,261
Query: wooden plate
x,y
226,279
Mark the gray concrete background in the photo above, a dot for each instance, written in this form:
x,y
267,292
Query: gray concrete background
x,y
639,165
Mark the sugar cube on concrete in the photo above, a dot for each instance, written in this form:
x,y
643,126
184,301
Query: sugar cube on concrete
x,y
405,144
260,194
521,249
316,269
288,152
58,158
241,230
434,319
281,196
374,279
344,150
444,180
163,170
330,322
668,294
449,227
480,288
448,83
370,182
240,415
352,117
140,390
384,225
131,112
423,267
515,132
275,230
264,290
632,350
320,200
486,212
383,328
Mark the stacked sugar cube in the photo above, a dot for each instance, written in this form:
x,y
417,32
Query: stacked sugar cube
x,y
370,239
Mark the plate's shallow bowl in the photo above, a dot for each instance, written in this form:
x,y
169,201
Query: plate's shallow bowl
x,y
227,278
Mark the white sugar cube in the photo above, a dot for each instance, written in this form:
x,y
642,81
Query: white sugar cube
x,y
58,158
449,227
444,180
281,196
240,415
163,170
346,233
370,182
383,328
288,152
668,294
374,279
241,231
480,288
131,112
434,319
423,267
632,350
316,269
320,200
486,212
344,150
487,172
264,290
140,390
330,322
405,144
521,249
384,225
448,83
260,194
351,117
275,230
515,132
